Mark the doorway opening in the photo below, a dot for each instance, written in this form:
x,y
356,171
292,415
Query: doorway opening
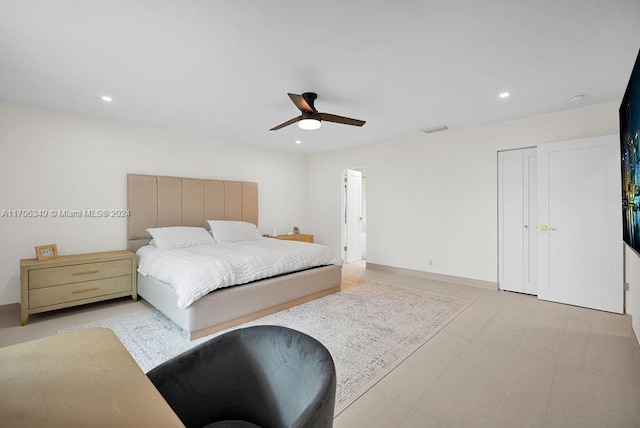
x,y
354,209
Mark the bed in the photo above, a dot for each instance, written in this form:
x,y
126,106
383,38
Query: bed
x,y
160,201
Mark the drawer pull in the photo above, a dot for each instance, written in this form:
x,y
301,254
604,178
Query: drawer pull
x,y
85,290
85,272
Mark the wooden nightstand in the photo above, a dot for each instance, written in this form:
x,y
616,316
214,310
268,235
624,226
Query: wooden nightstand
x,y
300,237
75,280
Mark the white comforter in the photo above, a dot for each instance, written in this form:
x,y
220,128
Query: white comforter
x,y
195,271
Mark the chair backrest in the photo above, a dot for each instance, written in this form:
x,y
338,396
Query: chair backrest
x,y
271,376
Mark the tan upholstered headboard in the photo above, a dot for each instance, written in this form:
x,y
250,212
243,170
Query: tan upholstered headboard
x,y
157,201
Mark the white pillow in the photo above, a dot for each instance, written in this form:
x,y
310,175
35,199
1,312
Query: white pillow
x,y
166,238
231,231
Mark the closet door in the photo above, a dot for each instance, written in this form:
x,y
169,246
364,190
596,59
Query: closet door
x,y
517,244
530,212
580,252
510,227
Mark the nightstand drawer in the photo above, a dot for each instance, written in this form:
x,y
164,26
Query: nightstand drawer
x,y
48,296
39,278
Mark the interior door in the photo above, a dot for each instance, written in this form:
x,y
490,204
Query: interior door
x,y
530,211
517,206
510,225
353,215
580,259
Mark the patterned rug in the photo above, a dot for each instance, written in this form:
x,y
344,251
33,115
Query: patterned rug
x,y
369,328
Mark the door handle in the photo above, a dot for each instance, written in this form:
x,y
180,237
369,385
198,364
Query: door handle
x,y
545,228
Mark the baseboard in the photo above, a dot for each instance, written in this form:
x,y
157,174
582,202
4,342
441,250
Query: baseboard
x,y
450,279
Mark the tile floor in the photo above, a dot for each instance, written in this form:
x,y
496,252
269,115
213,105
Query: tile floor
x,y
509,360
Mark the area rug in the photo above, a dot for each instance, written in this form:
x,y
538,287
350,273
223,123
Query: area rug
x,y
369,328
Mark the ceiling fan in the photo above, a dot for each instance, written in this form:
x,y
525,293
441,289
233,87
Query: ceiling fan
x,y
310,117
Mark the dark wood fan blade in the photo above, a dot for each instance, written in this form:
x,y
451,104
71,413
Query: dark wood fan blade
x,y
340,119
302,104
287,123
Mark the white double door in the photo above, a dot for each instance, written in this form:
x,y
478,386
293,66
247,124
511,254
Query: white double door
x,y
578,231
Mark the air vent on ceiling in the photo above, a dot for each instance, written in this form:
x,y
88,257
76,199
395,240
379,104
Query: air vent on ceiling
x,y
435,129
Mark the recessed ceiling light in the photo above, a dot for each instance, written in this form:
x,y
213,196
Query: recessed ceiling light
x,y
504,95
298,142
577,97
107,99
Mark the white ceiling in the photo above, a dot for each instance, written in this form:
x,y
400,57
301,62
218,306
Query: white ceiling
x,y
223,68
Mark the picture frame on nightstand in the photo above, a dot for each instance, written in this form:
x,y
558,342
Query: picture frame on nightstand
x,y
45,252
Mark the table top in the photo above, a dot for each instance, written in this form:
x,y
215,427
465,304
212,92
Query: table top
x,y
78,258
83,378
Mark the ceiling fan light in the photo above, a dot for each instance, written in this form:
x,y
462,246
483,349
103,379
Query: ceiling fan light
x,y
309,124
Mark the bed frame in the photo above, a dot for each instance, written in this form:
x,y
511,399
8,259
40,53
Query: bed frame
x,y
159,201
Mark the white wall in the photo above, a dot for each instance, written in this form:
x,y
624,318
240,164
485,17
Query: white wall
x,y
434,196
55,160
